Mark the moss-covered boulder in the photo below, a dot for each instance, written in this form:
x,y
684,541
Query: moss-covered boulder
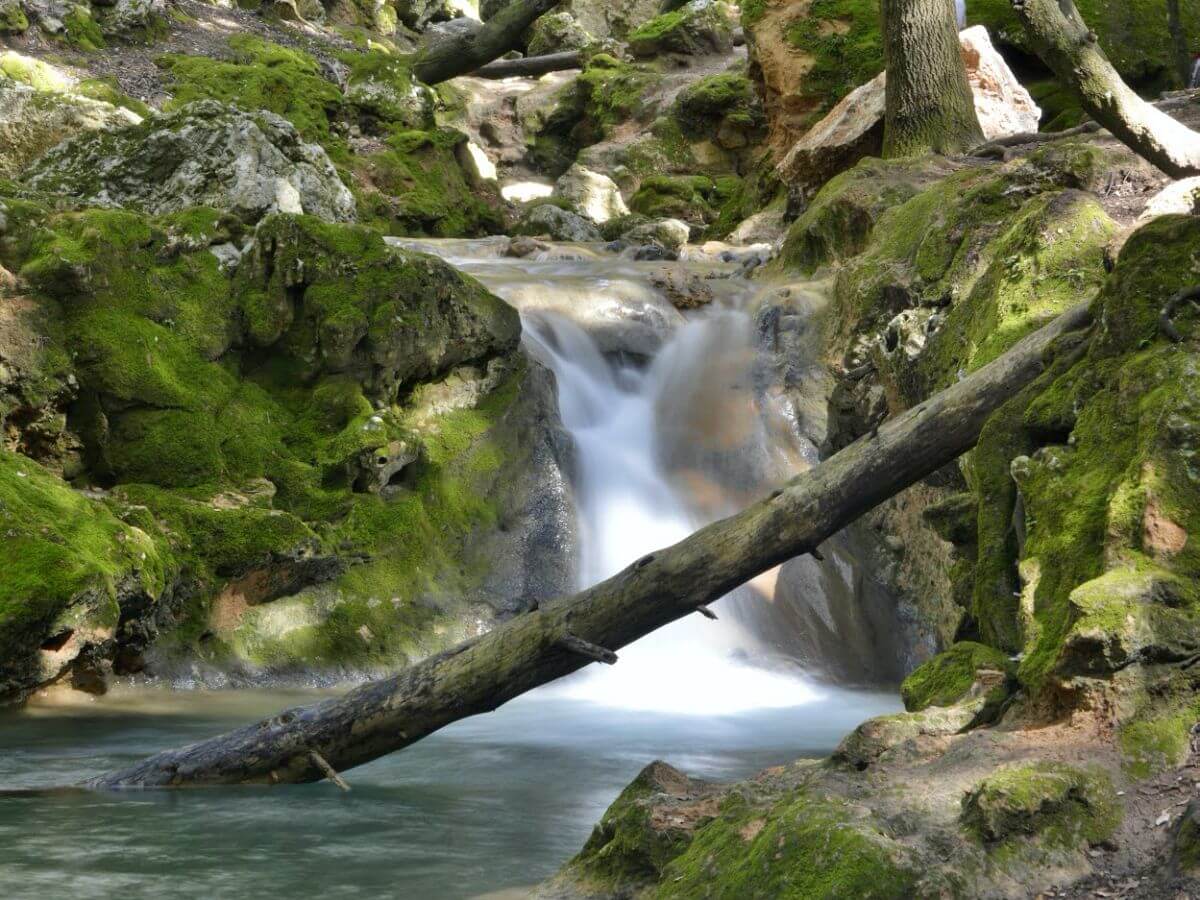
x,y
421,184
699,27
12,17
722,108
381,90
950,676
1060,805
556,32
310,435
203,154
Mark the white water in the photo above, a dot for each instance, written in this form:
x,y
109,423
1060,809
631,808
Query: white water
x,y
627,508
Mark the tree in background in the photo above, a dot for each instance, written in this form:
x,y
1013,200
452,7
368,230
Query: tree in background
x,y
929,107
1062,39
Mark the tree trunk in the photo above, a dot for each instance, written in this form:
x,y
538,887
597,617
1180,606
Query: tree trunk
x,y
561,637
930,108
1063,41
1183,59
462,53
531,65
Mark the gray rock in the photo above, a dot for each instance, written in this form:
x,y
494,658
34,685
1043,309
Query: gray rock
x,y
670,234
558,224
32,121
556,32
593,195
205,154
702,27
130,17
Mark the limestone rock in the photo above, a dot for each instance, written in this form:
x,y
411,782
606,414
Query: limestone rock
x,y
1002,104
700,27
205,154
853,129
765,227
33,121
131,17
556,32
557,224
1179,198
593,195
670,234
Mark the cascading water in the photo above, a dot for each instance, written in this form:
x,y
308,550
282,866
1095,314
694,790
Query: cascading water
x,y
628,508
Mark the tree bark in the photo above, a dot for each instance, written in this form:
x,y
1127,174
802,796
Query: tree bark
x,y
1183,59
929,107
460,54
530,65
1062,39
561,637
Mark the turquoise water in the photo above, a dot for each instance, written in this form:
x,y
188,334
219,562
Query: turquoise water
x,y
491,804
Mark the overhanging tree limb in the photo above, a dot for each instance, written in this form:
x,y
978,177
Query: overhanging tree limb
x,y
464,52
563,636
1063,41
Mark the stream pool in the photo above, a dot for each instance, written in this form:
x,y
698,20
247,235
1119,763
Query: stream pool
x,y
487,807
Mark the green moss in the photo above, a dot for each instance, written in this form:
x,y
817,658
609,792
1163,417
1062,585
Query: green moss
x,y
261,75
949,676
37,74
1059,805
63,558
420,188
107,90
13,19
804,846
687,197
843,41
82,31
719,102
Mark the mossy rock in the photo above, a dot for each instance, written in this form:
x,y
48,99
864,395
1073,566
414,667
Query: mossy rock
x,y
950,676
12,17
690,198
69,564
1056,804
804,845
699,27
419,186
236,414
261,75
722,108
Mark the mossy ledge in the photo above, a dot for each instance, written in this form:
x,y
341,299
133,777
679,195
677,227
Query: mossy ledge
x,y
202,418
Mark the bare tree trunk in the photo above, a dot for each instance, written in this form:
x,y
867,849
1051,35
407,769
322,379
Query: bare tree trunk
x,y
930,108
462,53
1183,59
1063,41
303,744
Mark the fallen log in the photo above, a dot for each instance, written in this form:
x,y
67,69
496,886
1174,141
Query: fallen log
x,y
562,636
468,50
531,66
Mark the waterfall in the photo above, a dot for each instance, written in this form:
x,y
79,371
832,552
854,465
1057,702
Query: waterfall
x,y
628,507
678,420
